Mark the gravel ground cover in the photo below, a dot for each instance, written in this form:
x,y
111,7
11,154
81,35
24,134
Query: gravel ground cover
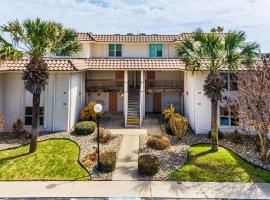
x,y
87,145
175,156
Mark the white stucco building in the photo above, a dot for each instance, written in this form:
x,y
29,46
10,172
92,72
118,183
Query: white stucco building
x,y
131,74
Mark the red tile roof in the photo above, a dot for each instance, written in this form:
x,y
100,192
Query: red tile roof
x,y
105,64
134,38
99,64
129,38
130,64
53,64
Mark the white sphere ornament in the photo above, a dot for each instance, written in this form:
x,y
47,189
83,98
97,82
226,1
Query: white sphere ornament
x,y
98,108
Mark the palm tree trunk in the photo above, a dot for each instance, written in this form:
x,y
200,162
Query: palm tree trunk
x,y
214,129
35,123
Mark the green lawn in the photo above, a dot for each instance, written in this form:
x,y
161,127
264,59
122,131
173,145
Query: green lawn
x,y
222,166
55,159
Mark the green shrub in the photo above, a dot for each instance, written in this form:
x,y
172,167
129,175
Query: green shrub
x,y
179,125
107,161
85,128
148,165
18,129
158,142
236,137
220,134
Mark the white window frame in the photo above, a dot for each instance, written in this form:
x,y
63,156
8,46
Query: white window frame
x,y
114,51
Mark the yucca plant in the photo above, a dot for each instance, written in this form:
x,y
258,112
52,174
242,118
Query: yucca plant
x,y
168,112
36,38
212,52
179,125
88,112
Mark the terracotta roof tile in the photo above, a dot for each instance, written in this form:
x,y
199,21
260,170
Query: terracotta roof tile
x,y
184,36
134,38
130,64
129,38
53,64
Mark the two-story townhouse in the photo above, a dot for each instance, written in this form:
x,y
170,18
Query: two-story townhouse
x,y
131,74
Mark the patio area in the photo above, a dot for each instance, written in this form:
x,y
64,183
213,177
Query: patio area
x,y
115,122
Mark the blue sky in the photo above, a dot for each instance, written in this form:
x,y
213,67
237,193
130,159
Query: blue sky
x,y
148,16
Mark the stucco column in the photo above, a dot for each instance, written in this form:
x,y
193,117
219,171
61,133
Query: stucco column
x,y
125,95
134,79
142,98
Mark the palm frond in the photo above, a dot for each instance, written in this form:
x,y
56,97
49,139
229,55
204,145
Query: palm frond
x,y
15,29
7,51
249,53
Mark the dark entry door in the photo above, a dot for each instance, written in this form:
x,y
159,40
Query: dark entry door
x,y
113,101
156,102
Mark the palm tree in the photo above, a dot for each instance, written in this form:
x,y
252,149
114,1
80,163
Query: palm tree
x,y
211,52
36,38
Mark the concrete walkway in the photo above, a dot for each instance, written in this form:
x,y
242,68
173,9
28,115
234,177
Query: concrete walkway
x,y
127,161
24,189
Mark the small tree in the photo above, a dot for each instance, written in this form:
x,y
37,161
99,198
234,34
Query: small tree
x,y
36,38
212,52
253,103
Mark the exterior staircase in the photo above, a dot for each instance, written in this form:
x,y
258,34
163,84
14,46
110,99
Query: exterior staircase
x,y
133,112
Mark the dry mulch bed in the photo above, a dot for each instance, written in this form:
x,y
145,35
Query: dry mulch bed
x,y
87,145
176,155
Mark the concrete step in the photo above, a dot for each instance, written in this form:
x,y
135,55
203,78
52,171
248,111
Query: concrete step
x,y
136,108
133,114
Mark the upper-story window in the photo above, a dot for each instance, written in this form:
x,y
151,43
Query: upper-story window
x,y
155,50
231,81
115,50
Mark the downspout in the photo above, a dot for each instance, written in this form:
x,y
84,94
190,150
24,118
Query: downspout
x,y
69,100
53,108
195,102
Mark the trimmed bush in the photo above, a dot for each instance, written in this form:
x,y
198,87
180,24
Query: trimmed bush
x,y
18,129
89,160
85,128
148,165
105,135
179,125
158,142
220,134
107,161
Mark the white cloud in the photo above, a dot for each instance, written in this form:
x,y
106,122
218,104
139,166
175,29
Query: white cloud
x,y
149,16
